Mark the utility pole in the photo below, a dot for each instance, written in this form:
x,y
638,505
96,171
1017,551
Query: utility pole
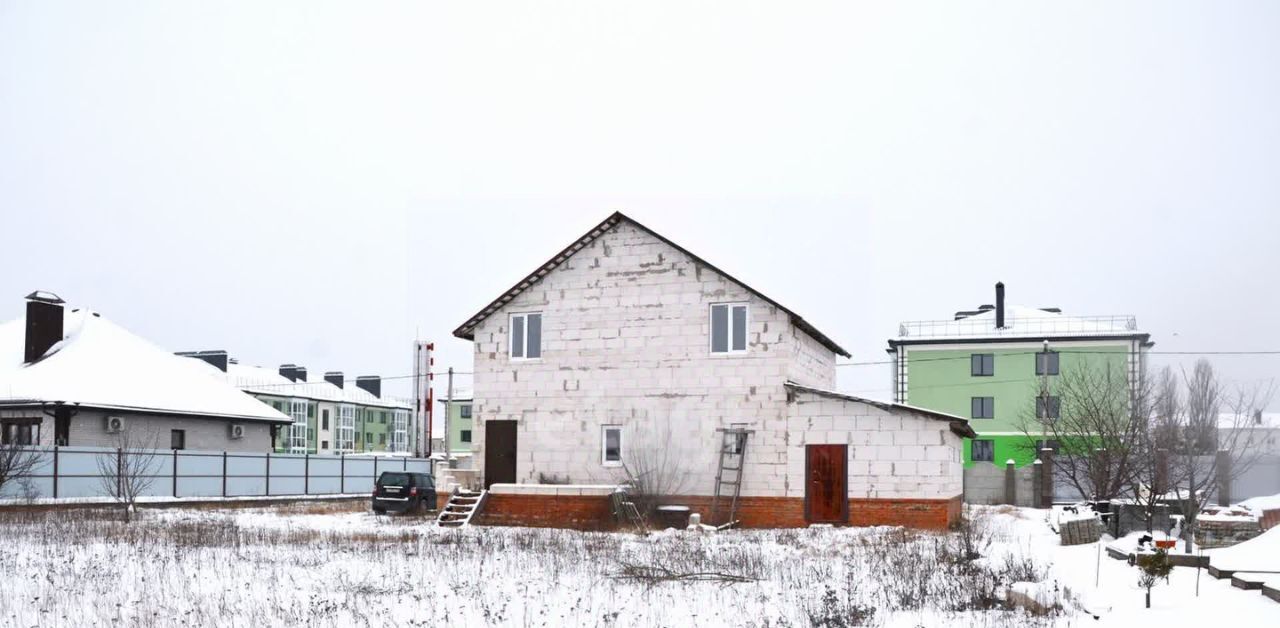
x,y
448,414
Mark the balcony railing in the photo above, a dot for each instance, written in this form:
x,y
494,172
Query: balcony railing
x,y
1021,327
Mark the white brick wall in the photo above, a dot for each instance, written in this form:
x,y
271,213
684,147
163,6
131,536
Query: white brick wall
x,y
891,455
626,341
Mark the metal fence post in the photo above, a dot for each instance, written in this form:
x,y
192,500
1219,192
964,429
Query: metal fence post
x,y
306,474
119,472
375,469
55,471
175,473
224,473
342,474
268,493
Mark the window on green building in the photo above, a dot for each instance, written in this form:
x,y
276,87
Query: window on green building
x,y
465,411
324,419
368,438
466,436
982,364
983,451
1049,407
983,407
1047,363
382,439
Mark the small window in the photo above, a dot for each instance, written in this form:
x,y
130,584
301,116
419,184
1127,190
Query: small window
x,y
368,438
324,444
466,436
982,364
465,411
983,407
177,439
16,434
1047,363
729,328
382,439
983,451
611,446
324,419
526,336
1048,407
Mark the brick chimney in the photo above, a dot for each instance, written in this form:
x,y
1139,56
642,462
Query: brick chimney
x,y
289,372
44,324
999,305
216,358
371,384
335,377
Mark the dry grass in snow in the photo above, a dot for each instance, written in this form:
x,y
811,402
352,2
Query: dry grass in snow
x,y
296,566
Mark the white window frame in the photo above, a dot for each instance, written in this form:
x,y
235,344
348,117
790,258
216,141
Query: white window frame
x,y
400,431
298,429
346,429
604,445
511,335
711,328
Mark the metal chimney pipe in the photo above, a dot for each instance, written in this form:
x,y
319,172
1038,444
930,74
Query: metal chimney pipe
x,y
999,305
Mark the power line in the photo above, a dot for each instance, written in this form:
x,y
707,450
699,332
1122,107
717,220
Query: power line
x,y
911,360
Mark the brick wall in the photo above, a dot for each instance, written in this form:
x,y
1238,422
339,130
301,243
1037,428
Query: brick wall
x,y
592,512
896,454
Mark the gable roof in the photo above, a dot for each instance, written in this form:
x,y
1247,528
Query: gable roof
x,y
467,330
99,364
959,425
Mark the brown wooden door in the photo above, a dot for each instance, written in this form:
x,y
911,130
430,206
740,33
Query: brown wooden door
x,y
499,453
826,493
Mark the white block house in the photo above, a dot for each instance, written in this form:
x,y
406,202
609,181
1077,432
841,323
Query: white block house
x,y
624,344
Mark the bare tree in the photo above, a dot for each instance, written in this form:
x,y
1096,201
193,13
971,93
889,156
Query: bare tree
x,y
17,462
129,471
654,468
1098,418
1212,444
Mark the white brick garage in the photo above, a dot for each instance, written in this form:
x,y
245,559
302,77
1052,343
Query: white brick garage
x,y
902,464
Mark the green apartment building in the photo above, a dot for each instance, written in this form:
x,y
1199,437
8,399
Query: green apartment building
x,y
990,365
460,424
330,415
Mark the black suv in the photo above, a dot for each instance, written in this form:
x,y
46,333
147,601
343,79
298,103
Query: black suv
x,y
403,491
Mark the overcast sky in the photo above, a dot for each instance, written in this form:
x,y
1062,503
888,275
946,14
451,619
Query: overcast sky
x,y
316,182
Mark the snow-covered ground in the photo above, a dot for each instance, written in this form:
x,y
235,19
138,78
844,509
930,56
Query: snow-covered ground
x,y
320,565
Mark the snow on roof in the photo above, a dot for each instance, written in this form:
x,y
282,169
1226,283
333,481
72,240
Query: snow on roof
x,y
1231,420
959,424
1020,322
100,364
265,381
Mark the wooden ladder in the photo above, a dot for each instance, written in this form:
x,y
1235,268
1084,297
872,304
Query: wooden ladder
x,y
733,455
462,507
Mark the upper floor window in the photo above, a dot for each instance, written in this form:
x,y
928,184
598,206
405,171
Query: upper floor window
x,y
983,407
1047,363
729,328
465,411
982,364
1049,407
526,336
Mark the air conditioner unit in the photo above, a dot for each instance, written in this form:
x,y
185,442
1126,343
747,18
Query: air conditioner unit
x,y
237,431
115,424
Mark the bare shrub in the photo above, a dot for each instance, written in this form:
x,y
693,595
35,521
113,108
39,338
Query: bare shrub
x,y
128,472
17,462
653,470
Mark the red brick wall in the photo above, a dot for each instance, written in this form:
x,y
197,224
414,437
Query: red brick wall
x,y
575,512
593,512
1270,518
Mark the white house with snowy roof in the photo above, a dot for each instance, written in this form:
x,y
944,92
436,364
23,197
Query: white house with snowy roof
x,y
329,415
74,378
